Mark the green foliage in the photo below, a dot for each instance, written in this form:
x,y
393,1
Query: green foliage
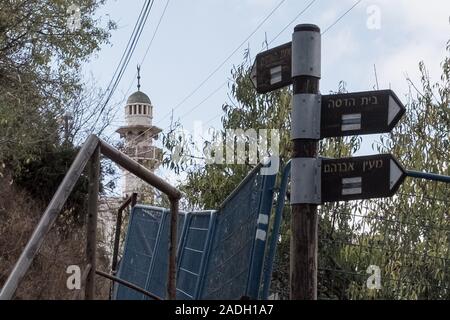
x,y
40,60
41,178
40,70
207,185
407,236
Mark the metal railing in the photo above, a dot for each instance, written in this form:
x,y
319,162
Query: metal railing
x,y
130,201
90,152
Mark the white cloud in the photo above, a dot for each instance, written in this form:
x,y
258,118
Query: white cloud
x,y
411,31
339,46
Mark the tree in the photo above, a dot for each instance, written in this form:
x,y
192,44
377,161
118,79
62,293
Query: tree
x,y
40,81
207,185
406,236
40,64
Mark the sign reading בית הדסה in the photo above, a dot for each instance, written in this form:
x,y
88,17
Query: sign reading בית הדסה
x,y
359,113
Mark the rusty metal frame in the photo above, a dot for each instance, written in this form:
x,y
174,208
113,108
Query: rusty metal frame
x,y
91,152
131,200
127,284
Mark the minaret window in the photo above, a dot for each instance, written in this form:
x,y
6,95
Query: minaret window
x,y
145,110
140,109
129,109
134,109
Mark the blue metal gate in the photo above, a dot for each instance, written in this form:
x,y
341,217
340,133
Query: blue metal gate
x,y
220,253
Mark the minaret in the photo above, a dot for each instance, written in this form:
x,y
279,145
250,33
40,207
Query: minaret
x,y
139,134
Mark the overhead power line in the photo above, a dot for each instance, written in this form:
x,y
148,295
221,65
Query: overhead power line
x,y
340,17
219,66
293,20
150,44
284,28
229,56
127,54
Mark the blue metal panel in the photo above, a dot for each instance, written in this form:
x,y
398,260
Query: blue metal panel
x,y
233,256
145,258
259,246
140,243
192,254
220,253
268,268
157,281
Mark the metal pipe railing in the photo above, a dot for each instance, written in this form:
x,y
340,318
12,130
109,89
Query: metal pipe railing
x,y
427,176
130,201
91,228
127,284
174,195
139,170
91,150
48,218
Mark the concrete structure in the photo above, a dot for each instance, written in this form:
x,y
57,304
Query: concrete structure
x,y
139,134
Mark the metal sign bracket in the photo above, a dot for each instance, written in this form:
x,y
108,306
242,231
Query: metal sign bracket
x,y
306,109
306,180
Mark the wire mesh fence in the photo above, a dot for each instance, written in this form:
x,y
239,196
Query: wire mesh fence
x,y
220,253
393,248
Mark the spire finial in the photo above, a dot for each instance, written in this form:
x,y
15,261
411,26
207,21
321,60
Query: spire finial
x,y
139,77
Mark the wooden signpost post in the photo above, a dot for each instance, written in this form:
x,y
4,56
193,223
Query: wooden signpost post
x,y
314,116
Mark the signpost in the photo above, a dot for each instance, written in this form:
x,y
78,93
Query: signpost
x,y
359,113
315,116
272,69
360,177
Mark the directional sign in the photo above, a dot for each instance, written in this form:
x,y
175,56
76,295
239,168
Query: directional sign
x,y
360,177
272,69
360,113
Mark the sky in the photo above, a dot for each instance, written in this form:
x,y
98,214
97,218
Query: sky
x,y
196,37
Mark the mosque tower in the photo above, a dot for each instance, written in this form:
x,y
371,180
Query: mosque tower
x,y
138,136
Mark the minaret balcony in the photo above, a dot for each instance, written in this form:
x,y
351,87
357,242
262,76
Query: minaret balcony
x,y
144,153
137,133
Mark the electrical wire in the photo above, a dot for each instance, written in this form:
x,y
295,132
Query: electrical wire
x,y
284,28
149,45
127,54
340,17
220,65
